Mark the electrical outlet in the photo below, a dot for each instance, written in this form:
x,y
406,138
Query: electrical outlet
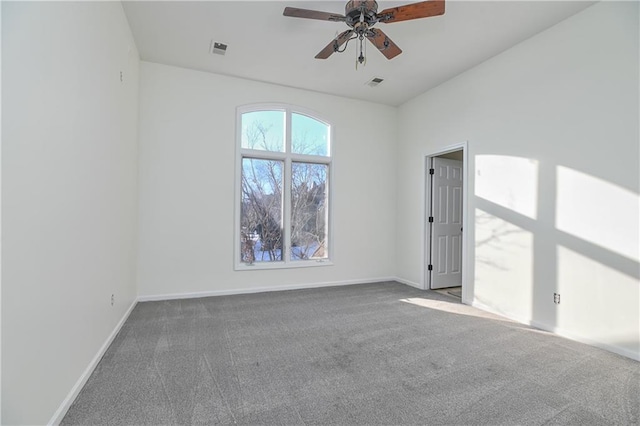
x,y
113,299
556,298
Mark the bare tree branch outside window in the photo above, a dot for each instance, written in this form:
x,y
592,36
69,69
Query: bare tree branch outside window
x,y
308,214
262,184
261,210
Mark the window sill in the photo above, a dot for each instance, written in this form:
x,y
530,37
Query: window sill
x,y
282,265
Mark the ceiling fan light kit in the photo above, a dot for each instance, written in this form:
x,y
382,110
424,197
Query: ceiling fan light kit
x,y
361,16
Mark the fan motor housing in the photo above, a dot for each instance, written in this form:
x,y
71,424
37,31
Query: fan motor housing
x,y
356,8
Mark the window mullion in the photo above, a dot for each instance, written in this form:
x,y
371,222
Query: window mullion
x,y
287,133
267,155
306,158
286,211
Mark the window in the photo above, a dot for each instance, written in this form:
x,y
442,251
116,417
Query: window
x,y
282,188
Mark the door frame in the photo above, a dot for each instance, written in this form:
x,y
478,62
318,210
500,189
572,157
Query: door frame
x,y
426,230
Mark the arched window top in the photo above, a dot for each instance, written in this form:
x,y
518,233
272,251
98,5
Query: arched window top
x,y
283,128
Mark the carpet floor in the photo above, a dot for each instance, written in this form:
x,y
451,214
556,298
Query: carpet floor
x,y
381,353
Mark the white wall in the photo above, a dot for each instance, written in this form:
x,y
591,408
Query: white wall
x,y
69,195
552,130
187,167
552,114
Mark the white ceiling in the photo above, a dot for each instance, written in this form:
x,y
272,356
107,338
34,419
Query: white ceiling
x,y
263,45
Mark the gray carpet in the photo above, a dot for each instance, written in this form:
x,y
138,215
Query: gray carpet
x,y
379,353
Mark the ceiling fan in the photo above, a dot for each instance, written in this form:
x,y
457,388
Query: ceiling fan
x,y
361,16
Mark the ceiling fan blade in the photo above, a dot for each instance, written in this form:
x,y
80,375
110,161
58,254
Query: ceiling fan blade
x,y
334,45
312,14
384,44
423,9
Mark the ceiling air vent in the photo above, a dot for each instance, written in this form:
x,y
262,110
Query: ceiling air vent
x,y
218,48
375,81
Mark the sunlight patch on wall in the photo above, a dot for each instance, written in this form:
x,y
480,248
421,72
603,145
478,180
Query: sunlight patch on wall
x,y
596,301
598,211
511,182
503,264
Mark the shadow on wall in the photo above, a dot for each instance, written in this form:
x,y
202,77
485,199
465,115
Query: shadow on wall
x,y
545,229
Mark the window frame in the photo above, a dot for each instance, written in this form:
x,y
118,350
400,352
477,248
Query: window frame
x,y
288,158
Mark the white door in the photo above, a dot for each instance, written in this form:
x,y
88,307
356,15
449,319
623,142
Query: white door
x,y
445,221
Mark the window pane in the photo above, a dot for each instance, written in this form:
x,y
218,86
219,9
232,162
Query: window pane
x,y
263,130
261,211
309,136
309,211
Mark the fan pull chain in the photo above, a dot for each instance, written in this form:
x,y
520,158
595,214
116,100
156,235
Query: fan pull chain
x,y
364,64
362,58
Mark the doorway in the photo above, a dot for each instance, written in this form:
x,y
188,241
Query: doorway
x,y
445,219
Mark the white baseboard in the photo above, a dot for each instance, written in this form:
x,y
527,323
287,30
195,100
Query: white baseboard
x,y
588,341
562,332
192,295
409,283
64,407
487,308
